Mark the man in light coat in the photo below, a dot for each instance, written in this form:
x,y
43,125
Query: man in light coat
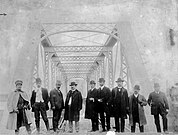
x,y
137,114
19,109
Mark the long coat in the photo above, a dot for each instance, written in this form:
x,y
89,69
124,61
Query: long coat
x,y
124,105
76,106
105,96
141,112
56,99
157,101
45,97
12,105
91,106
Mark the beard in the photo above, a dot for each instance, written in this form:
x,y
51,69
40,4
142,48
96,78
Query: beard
x,y
58,88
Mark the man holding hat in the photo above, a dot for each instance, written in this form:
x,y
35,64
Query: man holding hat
x,y
137,114
19,109
159,106
91,106
39,103
104,102
120,104
73,105
57,104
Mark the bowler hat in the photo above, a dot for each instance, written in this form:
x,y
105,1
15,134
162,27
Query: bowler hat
x,y
72,84
119,80
18,82
38,80
58,82
92,82
101,80
137,87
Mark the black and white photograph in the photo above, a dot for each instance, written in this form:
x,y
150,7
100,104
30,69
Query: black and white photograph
x,y
88,67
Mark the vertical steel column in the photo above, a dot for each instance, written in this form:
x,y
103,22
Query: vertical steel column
x,y
46,70
110,68
53,73
124,72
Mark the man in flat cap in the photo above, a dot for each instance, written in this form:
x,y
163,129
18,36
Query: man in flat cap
x,y
120,103
91,106
19,109
39,102
73,105
159,106
104,102
137,114
57,104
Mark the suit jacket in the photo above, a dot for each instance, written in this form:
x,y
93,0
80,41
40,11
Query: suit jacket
x,y
90,111
56,99
45,97
105,96
141,102
124,105
76,105
158,101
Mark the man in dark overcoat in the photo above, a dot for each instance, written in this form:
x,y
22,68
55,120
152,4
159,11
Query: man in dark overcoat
x,y
91,106
39,102
103,105
19,109
73,105
137,114
57,104
159,106
120,105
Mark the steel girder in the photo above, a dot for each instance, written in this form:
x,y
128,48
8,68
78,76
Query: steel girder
x,y
62,49
55,28
74,58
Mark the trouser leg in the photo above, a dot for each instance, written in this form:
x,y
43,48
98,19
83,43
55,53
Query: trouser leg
x,y
44,115
108,121
133,127
116,119
70,126
77,126
157,123
93,124
165,125
37,116
141,128
54,120
102,120
122,124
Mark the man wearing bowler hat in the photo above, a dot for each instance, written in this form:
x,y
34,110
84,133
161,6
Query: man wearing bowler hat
x,y
91,106
137,114
120,104
57,104
159,106
104,102
19,109
39,103
73,105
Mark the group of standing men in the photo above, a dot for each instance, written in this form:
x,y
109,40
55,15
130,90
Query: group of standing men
x,y
100,102
19,106
116,103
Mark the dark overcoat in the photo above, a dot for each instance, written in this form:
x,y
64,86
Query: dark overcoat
x,y
45,97
73,113
12,105
142,102
105,96
56,99
91,106
158,101
124,105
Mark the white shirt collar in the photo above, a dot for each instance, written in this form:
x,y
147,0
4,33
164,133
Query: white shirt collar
x,y
136,95
37,89
102,87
